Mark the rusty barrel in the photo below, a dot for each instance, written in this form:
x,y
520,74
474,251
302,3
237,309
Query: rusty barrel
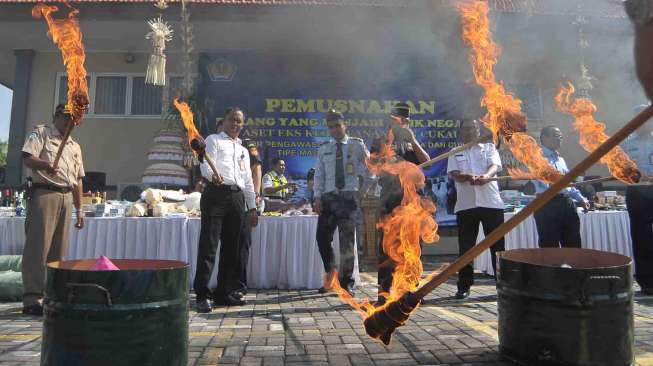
x,y
565,307
135,316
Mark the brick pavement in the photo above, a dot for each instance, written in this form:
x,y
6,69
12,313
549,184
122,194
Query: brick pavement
x,y
306,328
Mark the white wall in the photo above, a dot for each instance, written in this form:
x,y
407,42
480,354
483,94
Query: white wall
x,y
116,146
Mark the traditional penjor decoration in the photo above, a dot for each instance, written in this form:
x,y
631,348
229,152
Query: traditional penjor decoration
x,y
160,33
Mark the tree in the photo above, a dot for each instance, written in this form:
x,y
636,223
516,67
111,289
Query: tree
x,y
3,153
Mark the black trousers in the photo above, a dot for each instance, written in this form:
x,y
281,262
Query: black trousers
x,y
243,253
338,211
558,224
468,221
639,200
223,214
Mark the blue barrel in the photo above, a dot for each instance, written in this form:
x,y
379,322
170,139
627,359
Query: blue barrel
x,y
135,316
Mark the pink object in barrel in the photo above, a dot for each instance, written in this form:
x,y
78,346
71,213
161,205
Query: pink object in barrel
x,y
104,264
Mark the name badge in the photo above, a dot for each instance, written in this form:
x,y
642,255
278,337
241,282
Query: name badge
x,y
241,163
350,168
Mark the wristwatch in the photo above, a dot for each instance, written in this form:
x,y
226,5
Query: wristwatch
x,y
639,11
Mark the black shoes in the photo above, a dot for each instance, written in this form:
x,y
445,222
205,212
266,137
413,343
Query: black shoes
x,y
462,294
350,290
203,306
35,309
323,290
380,301
230,300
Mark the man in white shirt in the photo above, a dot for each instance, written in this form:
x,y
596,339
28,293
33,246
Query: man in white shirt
x,y
225,206
478,200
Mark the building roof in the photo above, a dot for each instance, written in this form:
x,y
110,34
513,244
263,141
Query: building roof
x,y
395,3
602,8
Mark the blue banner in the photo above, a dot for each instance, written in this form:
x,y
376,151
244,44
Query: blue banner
x,y
285,98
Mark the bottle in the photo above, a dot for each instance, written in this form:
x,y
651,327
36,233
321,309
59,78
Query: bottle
x,y
20,208
7,200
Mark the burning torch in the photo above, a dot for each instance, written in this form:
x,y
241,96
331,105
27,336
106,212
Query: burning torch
x,y
385,320
199,147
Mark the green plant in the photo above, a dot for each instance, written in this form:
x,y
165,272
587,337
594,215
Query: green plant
x,y
3,153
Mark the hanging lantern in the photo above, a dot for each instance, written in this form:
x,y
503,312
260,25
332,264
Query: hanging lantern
x,y
160,33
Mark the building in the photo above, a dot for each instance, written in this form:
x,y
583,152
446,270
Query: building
x,y
355,37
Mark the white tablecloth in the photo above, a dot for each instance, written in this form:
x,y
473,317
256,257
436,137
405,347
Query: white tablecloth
x,y
608,231
283,255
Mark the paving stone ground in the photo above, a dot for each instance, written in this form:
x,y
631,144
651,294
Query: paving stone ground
x,y
306,328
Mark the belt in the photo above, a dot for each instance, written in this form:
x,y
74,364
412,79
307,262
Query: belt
x,y
51,187
225,187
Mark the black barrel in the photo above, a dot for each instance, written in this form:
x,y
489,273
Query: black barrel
x,y
135,316
565,307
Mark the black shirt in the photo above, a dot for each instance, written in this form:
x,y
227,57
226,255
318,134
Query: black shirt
x,y
391,191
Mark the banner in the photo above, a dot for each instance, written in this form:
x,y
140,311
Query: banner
x,y
285,98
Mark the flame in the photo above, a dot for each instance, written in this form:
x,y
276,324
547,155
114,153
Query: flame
x,y
592,133
519,174
187,118
403,229
504,115
66,34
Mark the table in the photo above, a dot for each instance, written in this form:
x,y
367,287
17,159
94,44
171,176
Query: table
x,y
608,231
283,255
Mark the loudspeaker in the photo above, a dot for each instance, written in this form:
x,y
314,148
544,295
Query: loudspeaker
x,y
94,181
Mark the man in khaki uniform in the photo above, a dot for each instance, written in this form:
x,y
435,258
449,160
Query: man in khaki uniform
x,y
50,211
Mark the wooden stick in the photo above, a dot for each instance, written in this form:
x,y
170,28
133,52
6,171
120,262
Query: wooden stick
x,y
508,177
213,168
64,140
538,202
199,147
453,151
592,181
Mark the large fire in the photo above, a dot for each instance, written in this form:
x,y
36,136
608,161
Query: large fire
x,y
66,34
504,115
403,229
592,133
519,174
187,119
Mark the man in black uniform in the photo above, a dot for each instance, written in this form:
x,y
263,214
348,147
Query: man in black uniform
x,y
407,148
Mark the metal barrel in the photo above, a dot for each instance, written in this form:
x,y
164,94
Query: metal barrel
x,y
135,316
565,307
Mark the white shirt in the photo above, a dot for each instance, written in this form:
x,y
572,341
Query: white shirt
x,y
231,159
476,161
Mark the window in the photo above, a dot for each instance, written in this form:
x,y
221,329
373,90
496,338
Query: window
x,y
122,95
63,88
146,98
110,95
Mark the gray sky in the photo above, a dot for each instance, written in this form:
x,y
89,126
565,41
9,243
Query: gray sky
x,y
5,111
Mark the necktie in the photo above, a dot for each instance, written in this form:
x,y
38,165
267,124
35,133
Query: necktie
x,y
340,167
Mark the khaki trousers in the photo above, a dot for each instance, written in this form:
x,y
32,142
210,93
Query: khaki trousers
x,y
47,226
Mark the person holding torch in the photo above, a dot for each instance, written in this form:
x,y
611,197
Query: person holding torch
x,y
55,191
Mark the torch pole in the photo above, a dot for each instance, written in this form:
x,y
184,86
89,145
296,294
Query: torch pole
x,y
64,140
592,181
451,152
538,202
213,168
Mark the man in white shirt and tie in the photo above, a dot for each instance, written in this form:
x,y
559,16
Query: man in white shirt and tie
x,y
226,205
478,199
